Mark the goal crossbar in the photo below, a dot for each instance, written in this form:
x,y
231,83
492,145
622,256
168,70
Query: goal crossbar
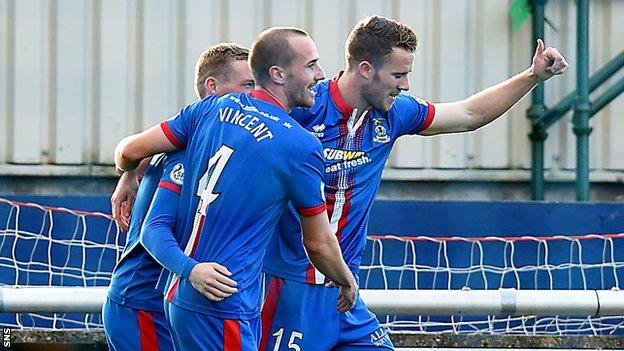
x,y
508,302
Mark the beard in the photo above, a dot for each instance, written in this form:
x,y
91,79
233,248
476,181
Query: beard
x,y
378,98
374,98
299,94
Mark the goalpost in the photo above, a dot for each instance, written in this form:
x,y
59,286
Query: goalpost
x,y
55,265
384,302
552,274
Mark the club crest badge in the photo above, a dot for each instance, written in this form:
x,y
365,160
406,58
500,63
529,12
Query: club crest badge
x,y
381,134
177,174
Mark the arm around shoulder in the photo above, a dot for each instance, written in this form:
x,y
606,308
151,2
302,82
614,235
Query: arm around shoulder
x,y
132,149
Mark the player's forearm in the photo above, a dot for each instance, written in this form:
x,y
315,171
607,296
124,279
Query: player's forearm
x,y
133,149
323,249
166,251
157,235
489,104
327,258
483,107
125,159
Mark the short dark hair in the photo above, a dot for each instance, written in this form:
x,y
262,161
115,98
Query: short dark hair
x,y
374,37
215,62
271,48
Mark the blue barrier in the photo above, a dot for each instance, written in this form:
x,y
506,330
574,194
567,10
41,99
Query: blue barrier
x,y
478,218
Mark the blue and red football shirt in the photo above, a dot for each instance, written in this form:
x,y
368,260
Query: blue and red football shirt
x,y
134,279
246,160
356,145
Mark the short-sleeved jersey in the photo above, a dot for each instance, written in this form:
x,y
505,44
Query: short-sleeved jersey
x,y
134,280
246,159
355,150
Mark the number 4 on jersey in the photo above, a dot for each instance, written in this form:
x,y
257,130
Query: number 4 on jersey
x,y
216,165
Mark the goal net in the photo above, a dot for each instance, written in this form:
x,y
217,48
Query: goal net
x,y
46,246
586,262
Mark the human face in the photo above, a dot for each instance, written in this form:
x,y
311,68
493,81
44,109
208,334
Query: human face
x,y
389,80
240,79
303,72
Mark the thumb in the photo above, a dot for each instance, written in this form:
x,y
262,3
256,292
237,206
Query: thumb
x,y
540,47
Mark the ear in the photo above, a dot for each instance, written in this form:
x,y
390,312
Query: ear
x,y
211,84
366,69
277,75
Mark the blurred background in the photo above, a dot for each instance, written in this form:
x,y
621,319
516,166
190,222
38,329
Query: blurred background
x,y
78,75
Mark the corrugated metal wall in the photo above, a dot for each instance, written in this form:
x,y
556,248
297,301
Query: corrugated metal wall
x,y
78,75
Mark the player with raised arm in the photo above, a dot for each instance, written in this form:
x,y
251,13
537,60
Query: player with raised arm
x,y
246,160
358,116
133,313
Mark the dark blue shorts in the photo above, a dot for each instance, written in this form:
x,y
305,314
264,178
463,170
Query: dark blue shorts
x,y
132,329
307,316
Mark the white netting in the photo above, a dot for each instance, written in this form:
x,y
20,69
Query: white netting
x,y
46,246
593,262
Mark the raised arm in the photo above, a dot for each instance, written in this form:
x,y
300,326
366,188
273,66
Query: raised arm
x,y
489,104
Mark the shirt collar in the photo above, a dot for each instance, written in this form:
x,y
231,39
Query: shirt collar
x,y
343,106
267,97
334,91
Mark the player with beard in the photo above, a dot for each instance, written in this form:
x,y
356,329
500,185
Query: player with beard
x,y
358,116
246,159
